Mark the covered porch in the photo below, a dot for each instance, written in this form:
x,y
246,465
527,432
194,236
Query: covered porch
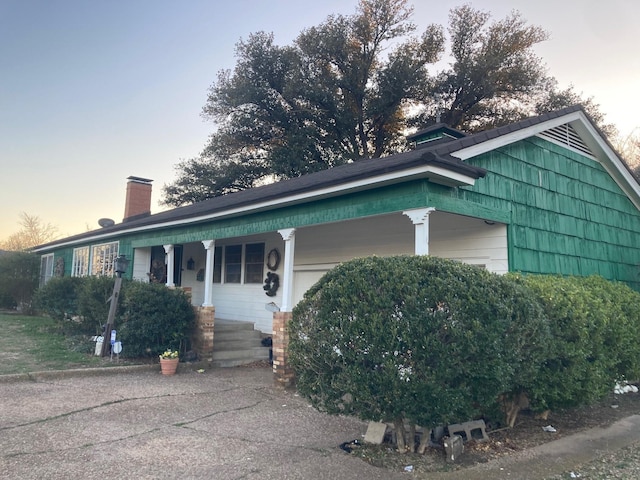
x,y
259,278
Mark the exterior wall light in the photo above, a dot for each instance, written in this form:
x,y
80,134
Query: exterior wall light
x,y
121,265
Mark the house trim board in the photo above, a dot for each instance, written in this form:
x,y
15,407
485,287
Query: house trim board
x,y
353,206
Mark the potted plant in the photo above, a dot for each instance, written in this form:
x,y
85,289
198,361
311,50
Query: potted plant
x,y
169,362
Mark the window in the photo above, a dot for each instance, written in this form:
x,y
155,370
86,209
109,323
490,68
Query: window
x,y
80,265
239,263
253,262
233,264
103,259
217,264
46,268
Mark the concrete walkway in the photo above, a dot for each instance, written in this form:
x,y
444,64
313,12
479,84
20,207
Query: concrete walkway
x,y
564,454
222,424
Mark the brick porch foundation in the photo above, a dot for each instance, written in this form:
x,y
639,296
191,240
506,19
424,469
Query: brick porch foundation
x,y
203,334
282,372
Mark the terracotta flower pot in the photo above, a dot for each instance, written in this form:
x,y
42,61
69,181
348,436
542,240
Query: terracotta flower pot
x,y
168,366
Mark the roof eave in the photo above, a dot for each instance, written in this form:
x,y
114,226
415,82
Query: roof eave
x,y
436,170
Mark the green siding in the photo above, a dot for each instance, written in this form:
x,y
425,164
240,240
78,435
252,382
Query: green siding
x,y
568,215
415,194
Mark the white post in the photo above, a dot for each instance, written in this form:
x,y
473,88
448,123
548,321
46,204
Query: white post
x,y
420,218
289,237
169,260
209,245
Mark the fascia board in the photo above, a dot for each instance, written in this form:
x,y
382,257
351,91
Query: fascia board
x,y
451,179
80,241
509,138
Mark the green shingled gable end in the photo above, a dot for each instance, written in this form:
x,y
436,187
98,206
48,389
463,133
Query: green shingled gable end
x,y
567,214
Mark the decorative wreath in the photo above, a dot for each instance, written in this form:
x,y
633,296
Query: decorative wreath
x,y
271,284
273,259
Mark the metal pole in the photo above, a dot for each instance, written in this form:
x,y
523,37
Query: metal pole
x,y
106,340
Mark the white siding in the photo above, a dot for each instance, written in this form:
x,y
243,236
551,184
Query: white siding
x,y
470,240
247,302
197,252
337,242
141,264
244,303
320,248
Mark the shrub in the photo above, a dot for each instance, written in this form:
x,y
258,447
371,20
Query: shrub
x,y
154,319
6,300
80,304
620,306
58,298
594,325
420,340
150,318
19,275
94,297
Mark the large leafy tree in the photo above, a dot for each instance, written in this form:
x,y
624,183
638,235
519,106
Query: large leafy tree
x,y
494,72
338,94
348,88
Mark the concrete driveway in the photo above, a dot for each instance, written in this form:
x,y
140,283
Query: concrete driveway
x,y
221,424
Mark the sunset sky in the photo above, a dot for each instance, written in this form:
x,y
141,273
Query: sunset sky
x,y
92,92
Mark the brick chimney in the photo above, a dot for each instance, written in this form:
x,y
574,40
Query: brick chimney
x,y
138,201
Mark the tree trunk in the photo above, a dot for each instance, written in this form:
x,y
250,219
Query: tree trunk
x,y
424,441
400,440
411,441
512,406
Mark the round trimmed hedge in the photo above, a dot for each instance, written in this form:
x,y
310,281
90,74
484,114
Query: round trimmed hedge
x,y
414,339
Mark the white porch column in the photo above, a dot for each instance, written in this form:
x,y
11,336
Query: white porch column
x,y
169,261
289,237
420,218
209,246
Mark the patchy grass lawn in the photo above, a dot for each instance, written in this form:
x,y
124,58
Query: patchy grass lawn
x,y
30,344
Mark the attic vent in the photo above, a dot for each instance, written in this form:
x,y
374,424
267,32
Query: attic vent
x,y
566,135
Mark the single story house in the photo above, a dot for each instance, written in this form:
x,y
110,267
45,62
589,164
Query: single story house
x,y
544,195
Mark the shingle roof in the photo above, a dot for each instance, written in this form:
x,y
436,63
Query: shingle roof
x,y
437,155
336,176
481,137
